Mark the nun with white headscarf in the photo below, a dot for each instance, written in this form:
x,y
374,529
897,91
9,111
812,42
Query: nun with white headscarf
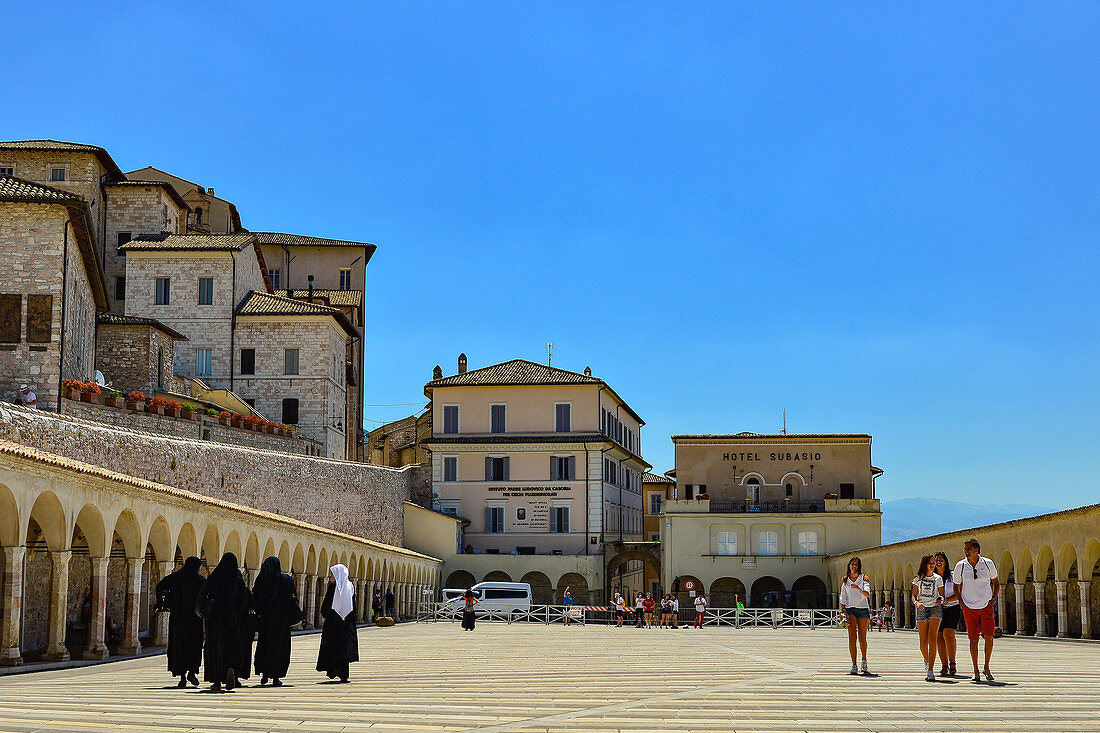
x,y
339,643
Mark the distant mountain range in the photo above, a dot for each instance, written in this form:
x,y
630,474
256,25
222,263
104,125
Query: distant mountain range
x,y
906,519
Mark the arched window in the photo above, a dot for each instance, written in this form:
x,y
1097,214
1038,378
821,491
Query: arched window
x,y
790,489
727,543
753,490
198,215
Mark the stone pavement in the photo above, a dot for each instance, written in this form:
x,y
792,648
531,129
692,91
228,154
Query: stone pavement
x,y
537,678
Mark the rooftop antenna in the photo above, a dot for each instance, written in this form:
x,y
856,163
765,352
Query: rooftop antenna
x,y
549,352
784,420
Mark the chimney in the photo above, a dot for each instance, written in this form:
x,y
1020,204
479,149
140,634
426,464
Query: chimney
x,y
461,363
310,278
210,191
588,371
437,373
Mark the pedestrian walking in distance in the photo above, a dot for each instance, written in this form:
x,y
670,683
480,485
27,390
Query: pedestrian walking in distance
x,y
177,594
620,610
976,578
223,604
278,609
639,612
339,642
567,601
648,604
950,621
928,598
855,603
469,600
674,609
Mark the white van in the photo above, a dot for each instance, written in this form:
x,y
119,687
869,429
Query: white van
x,y
493,596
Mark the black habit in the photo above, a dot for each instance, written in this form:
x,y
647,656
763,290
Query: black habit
x,y
223,604
177,594
339,641
277,604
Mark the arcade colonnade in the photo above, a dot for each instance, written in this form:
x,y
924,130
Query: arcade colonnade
x,y
1049,568
82,549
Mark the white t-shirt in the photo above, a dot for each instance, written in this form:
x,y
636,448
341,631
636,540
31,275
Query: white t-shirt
x,y
640,603
700,604
928,589
620,605
675,605
975,592
850,596
948,591
29,399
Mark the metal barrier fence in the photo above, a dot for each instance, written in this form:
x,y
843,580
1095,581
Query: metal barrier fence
x,y
773,618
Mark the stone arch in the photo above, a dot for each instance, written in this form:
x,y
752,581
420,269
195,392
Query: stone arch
x,y
725,592
1023,565
1045,575
344,561
578,588
364,573
767,592
128,532
187,543
323,564
37,569
49,515
10,523
298,562
542,590
233,544
1006,571
371,568
311,561
1067,559
160,539
353,566
461,579
210,550
809,592
90,524
252,557
271,551
497,576
285,557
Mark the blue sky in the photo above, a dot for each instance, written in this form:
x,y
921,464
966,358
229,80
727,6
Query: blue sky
x,y
880,218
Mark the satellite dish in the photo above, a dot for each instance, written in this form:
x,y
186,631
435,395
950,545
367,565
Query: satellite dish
x,y
99,378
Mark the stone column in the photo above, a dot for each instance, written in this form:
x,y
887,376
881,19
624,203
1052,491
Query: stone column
x,y
1021,610
300,588
1002,612
370,599
310,605
96,648
1062,605
1084,588
130,644
160,623
360,601
59,606
11,632
1040,609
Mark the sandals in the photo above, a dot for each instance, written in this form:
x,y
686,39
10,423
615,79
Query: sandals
x,y
953,669
943,671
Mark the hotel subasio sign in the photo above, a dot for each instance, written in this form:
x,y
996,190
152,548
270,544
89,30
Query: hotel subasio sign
x,y
775,457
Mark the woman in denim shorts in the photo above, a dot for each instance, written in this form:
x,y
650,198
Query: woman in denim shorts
x,y
855,602
928,598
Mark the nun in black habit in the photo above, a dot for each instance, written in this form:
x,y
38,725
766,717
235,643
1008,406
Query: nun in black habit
x,y
223,604
339,642
177,594
277,605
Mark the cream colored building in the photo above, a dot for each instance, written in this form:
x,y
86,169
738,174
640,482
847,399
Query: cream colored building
x,y
543,462
756,515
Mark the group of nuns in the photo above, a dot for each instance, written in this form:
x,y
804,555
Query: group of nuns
x,y
216,619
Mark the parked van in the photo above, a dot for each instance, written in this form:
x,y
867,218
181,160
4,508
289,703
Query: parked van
x,y
493,596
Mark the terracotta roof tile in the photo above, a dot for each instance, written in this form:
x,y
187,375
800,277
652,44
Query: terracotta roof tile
x,y
66,147
298,240
184,242
334,297
258,303
652,478
112,319
16,189
167,187
516,371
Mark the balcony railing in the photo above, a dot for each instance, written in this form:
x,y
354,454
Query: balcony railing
x,y
718,506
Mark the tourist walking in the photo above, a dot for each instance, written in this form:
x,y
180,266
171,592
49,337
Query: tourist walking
x,y
888,616
639,611
975,577
223,603
469,600
928,598
177,594
278,609
855,603
674,610
950,621
700,610
391,604
339,642
376,606
648,604
666,611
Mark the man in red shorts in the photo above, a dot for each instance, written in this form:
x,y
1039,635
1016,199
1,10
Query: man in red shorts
x,y
976,578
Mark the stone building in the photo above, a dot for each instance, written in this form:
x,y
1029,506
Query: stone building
x,y
286,357
656,490
51,285
544,462
399,443
333,272
207,214
756,515
137,354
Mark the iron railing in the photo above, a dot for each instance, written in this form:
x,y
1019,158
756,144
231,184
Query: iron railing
x,y
548,614
720,506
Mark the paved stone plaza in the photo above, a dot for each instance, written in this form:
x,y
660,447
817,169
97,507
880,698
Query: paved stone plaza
x,y
538,678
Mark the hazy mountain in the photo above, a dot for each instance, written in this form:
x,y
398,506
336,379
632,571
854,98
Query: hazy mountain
x,y
906,519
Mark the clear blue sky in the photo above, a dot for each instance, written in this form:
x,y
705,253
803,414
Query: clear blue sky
x,y
883,219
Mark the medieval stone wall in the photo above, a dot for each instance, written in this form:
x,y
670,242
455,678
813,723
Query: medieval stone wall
x,y
355,498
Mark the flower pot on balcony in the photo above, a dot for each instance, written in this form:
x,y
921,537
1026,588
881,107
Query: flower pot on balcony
x,y
237,422
135,406
89,397
156,409
73,394
114,400
173,411
223,420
